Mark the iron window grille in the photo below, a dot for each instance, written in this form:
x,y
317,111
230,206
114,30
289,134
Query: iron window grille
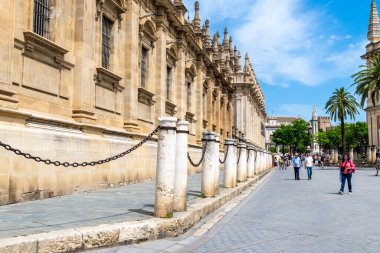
x,y
168,82
144,64
41,17
106,42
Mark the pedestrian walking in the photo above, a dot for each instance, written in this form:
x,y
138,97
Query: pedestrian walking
x,y
296,161
347,168
377,165
322,161
309,166
275,163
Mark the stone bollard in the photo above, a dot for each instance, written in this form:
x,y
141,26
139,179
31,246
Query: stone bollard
x,y
216,163
336,154
208,167
180,185
369,154
229,164
351,154
373,152
332,156
251,162
165,171
242,162
234,158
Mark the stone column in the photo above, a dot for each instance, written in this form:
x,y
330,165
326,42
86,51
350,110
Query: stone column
x,y
251,162
229,164
208,169
336,153
216,162
332,155
180,185
234,158
242,162
351,153
373,152
355,156
369,154
165,171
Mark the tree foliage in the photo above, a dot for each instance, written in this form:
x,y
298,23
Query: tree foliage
x,y
341,105
293,136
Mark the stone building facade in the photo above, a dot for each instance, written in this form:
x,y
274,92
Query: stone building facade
x,y
83,80
372,49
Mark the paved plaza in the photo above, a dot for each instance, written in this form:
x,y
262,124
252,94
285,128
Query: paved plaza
x,y
284,215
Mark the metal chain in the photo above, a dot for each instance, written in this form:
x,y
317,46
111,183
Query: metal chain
x,y
83,164
203,155
225,157
239,155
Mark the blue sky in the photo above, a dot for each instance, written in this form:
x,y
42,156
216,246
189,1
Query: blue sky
x,y
301,50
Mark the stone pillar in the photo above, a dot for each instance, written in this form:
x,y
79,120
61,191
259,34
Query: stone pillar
x,y
208,169
373,152
355,156
336,154
235,157
229,164
165,171
351,153
251,162
180,185
216,162
369,154
242,162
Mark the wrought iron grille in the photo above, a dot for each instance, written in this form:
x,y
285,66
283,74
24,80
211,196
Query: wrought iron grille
x,y
41,17
144,64
106,42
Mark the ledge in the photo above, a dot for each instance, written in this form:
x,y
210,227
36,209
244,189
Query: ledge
x,y
145,97
108,80
170,108
44,50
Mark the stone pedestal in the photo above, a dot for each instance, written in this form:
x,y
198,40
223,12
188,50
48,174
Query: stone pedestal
x,y
216,162
369,154
251,162
242,162
336,155
229,164
351,153
208,167
180,185
165,172
373,153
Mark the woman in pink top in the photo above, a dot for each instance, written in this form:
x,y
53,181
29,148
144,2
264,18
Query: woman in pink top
x,y
347,168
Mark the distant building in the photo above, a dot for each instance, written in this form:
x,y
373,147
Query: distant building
x,y
324,123
318,123
272,124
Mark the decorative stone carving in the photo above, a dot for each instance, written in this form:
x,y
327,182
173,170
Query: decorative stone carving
x,y
145,97
170,108
108,80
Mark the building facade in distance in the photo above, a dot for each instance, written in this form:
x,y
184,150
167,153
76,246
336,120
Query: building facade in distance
x,y
84,80
272,124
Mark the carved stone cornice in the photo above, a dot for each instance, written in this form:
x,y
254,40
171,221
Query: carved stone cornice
x,y
108,80
145,97
170,108
44,50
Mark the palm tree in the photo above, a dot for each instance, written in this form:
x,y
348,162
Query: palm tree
x,y
368,81
340,105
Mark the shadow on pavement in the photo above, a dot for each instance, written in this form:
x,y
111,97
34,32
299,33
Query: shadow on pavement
x,y
142,211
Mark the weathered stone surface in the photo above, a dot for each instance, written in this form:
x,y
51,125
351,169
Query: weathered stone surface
x,y
133,232
18,244
59,241
99,236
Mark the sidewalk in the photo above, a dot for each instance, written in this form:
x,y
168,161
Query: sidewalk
x,y
62,223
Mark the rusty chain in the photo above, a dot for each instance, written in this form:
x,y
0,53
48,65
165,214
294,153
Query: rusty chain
x,y
225,157
200,161
83,164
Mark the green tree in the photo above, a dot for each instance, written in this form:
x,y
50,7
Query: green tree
x,y
367,81
340,106
293,135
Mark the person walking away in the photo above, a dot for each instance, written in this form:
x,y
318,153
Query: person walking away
x,y
322,161
275,163
309,166
347,168
377,165
296,161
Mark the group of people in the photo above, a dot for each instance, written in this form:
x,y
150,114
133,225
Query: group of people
x,y
346,166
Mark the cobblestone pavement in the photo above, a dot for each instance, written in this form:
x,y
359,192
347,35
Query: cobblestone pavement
x,y
128,203
285,215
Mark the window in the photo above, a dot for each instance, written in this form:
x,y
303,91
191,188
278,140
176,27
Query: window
x,y
41,17
188,97
168,81
144,65
106,42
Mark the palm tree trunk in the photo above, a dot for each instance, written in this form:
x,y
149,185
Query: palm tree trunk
x,y
343,132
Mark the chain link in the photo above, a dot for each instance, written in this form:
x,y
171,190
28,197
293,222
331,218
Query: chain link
x,y
225,157
83,164
200,161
